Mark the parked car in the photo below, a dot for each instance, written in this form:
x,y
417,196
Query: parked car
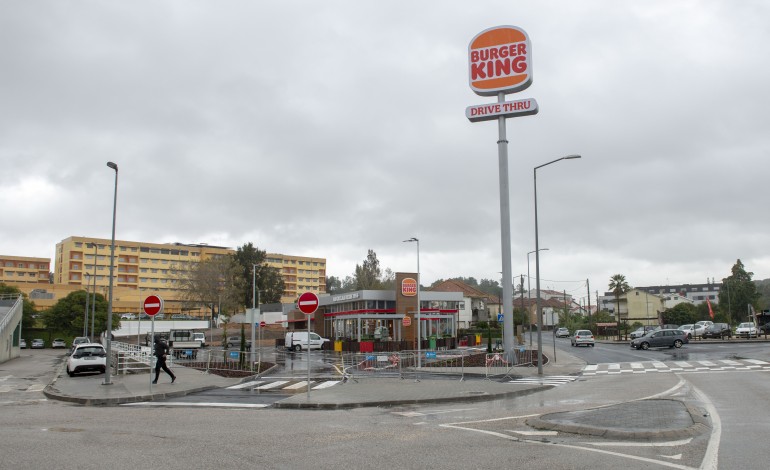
x,y
704,323
692,331
128,316
37,343
661,339
235,342
583,337
718,330
200,336
181,316
747,329
23,343
562,333
765,329
641,331
80,340
87,357
58,343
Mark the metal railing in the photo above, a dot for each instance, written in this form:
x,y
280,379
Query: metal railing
x,y
501,364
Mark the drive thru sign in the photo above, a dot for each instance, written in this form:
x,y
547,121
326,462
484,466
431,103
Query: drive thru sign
x,y
152,305
308,303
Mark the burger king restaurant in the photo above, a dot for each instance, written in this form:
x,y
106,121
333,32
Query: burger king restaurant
x,y
389,315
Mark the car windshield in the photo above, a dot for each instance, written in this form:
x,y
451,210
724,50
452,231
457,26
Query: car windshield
x,y
685,327
90,351
745,325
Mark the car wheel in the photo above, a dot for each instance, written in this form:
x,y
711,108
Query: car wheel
x,y
678,343
645,346
592,345
70,373
297,348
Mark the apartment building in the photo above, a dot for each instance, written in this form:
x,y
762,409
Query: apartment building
x,y
148,267
24,270
300,274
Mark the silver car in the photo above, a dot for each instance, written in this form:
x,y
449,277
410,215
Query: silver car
x,y
583,337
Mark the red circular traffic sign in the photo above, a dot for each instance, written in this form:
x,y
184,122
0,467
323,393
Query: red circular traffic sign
x,y
152,305
308,303
262,324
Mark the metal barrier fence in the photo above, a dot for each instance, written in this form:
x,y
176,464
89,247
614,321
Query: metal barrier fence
x,y
130,358
362,365
453,362
501,364
228,362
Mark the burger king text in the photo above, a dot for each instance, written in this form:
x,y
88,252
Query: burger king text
x,y
498,61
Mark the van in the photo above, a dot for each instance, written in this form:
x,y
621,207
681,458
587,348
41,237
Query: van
x,y
200,336
298,340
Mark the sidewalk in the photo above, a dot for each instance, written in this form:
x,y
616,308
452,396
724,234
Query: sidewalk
x,y
130,388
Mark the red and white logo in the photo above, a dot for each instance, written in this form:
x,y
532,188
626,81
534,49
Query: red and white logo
x,y
500,60
408,287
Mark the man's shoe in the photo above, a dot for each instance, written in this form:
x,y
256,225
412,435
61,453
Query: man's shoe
x,y
173,379
154,381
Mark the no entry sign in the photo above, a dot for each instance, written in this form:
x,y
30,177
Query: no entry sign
x,y
152,305
308,303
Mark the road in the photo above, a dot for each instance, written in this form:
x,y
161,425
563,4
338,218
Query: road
x,y
36,433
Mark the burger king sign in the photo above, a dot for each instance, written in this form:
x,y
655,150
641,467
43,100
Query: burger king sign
x,y
408,287
500,61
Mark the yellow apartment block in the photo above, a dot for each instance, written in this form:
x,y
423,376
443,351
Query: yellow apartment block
x,y
300,274
143,268
24,270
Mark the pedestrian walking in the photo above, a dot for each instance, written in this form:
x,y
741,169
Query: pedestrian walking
x,y
161,351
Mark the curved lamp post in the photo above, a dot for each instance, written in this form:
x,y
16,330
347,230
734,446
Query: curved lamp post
x,y
108,335
537,271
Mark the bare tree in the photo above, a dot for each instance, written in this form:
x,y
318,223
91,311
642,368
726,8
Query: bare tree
x,y
214,282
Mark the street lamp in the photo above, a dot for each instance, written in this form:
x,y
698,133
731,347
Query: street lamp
x,y
93,300
529,294
108,369
88,297
537,270
419,337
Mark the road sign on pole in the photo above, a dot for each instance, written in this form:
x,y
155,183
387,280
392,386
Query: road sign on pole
x,y
152,305
308,303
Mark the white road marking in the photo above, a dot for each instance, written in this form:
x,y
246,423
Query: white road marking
x,y
199,405
534,433
327,384
297,385
414,414
711,458
246,385
36,388
680,442
5,388
272,385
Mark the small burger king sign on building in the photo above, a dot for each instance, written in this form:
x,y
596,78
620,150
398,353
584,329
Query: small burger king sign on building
x,y
408,287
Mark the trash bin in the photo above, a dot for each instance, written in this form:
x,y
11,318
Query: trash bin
x,y
432,343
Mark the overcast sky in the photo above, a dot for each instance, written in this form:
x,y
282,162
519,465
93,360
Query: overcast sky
x,y
329,128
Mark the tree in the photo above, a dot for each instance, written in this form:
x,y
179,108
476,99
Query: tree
x,y
491,287
680,314
618,286
67,315
27,306
388,281
268,279
367,275
738,292
333,285
214,282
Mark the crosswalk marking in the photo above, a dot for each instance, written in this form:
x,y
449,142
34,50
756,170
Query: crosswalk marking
x,y
675,366
271,385
297,385
327,384
554,380
246,385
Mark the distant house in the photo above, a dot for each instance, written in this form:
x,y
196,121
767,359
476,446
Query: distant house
x,y
476,305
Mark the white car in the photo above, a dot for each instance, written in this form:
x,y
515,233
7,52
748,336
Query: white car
x,y
128,316
582,337
87,357
562,333
747,329
693,331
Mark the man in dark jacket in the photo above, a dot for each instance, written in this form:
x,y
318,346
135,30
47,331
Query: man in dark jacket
x,y
161,351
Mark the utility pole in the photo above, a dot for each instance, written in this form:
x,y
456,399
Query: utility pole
x,y
588,290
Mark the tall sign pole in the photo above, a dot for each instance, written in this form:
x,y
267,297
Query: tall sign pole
x,y
500,62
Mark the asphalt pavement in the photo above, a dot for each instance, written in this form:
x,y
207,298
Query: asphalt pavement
x,y
642,419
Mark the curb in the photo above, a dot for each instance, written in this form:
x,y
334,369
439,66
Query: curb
x,y
699,426
478,396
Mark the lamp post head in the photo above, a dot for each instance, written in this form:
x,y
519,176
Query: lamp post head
x,y
570,157
114,166
413,239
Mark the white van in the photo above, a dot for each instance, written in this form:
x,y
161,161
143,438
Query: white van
x,y
200,336
297,340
